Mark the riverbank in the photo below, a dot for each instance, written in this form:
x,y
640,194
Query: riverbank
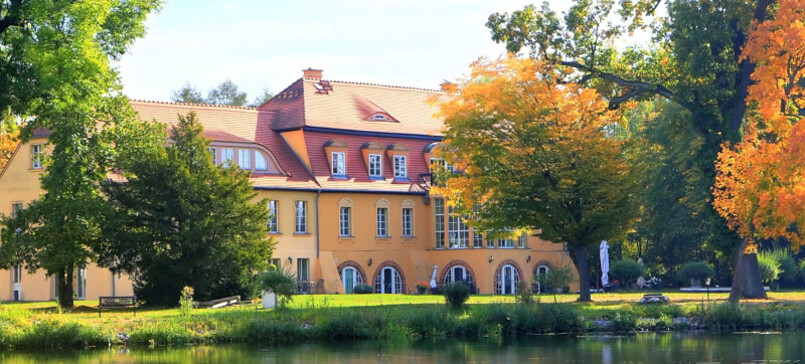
x,y
384,317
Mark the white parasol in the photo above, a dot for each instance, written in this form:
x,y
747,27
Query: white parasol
x,y
433,277
604,250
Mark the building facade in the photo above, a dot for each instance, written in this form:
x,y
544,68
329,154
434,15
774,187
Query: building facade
x,y
345,168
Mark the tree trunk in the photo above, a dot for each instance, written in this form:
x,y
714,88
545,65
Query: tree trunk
x,y
584,272
64,285
746,282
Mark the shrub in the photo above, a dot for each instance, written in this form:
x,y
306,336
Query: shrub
x,y
695,270
362,289
456,294
769,267
524,294
282,282
627,271
186,301
556,278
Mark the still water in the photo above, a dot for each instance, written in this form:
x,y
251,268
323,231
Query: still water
x,y
653,348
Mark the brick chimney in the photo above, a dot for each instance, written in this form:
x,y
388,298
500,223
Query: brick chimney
x,y
449,87
311,74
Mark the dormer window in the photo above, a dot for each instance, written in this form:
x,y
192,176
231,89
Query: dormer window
x,y
260,162
245,158
212,153
227,155
375,165
339,164
400,166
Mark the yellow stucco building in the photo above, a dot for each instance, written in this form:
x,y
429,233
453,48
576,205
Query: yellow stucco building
x,y
346,169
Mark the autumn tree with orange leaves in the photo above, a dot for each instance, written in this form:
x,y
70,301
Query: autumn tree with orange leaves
x,y
534,153
760,185
9,134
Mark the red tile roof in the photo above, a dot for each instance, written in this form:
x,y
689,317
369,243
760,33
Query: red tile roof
x,y
349,105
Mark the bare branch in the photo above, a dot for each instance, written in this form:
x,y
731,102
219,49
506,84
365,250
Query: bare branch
x,y
636,87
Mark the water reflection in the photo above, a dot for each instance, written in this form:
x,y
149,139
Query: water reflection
x,y
643,348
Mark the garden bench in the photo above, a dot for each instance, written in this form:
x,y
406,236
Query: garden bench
x,y
221,302
117,302
654,298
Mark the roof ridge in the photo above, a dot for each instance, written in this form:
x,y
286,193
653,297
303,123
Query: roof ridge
x,y
195,104
384,85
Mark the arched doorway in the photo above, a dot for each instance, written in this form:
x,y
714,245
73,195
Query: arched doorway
x,y
351,278
458,272
507,278
541,270
388,280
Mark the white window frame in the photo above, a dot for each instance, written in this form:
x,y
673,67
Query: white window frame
x,y
375,165
300,217
407,221
400,166
245,159
344,226
227,155
458,231
438,218
260,162
16,207
339,163
357,279
36,156
302,269
272,227
212,151
382,215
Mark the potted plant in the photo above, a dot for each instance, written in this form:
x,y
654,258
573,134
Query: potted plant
x,y
421,287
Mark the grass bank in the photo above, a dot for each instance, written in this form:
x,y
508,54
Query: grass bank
x,y
384,317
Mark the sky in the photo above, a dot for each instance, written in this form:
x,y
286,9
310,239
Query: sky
x,y
262,44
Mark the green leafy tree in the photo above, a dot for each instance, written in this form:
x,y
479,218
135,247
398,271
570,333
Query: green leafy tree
x,y
264,96
180,220
694,61
226,93
187,93
55,66
555,279
536,154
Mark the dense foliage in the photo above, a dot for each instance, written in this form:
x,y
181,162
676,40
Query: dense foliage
x,y
56,73
627,271
180,220
534,153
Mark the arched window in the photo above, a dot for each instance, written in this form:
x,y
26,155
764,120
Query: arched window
x,y
388,280
507,279
351,278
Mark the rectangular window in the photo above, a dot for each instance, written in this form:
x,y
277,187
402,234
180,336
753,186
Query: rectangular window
x,y
490,242
344,221
382,221
407,221
506,242
302,265
522,241
277,263
477,239
81,283
301,216
16,207
17,274
212,153
339,167
227,155
375,165
245,158
400,166
438,219
459,233
272,226
36,156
